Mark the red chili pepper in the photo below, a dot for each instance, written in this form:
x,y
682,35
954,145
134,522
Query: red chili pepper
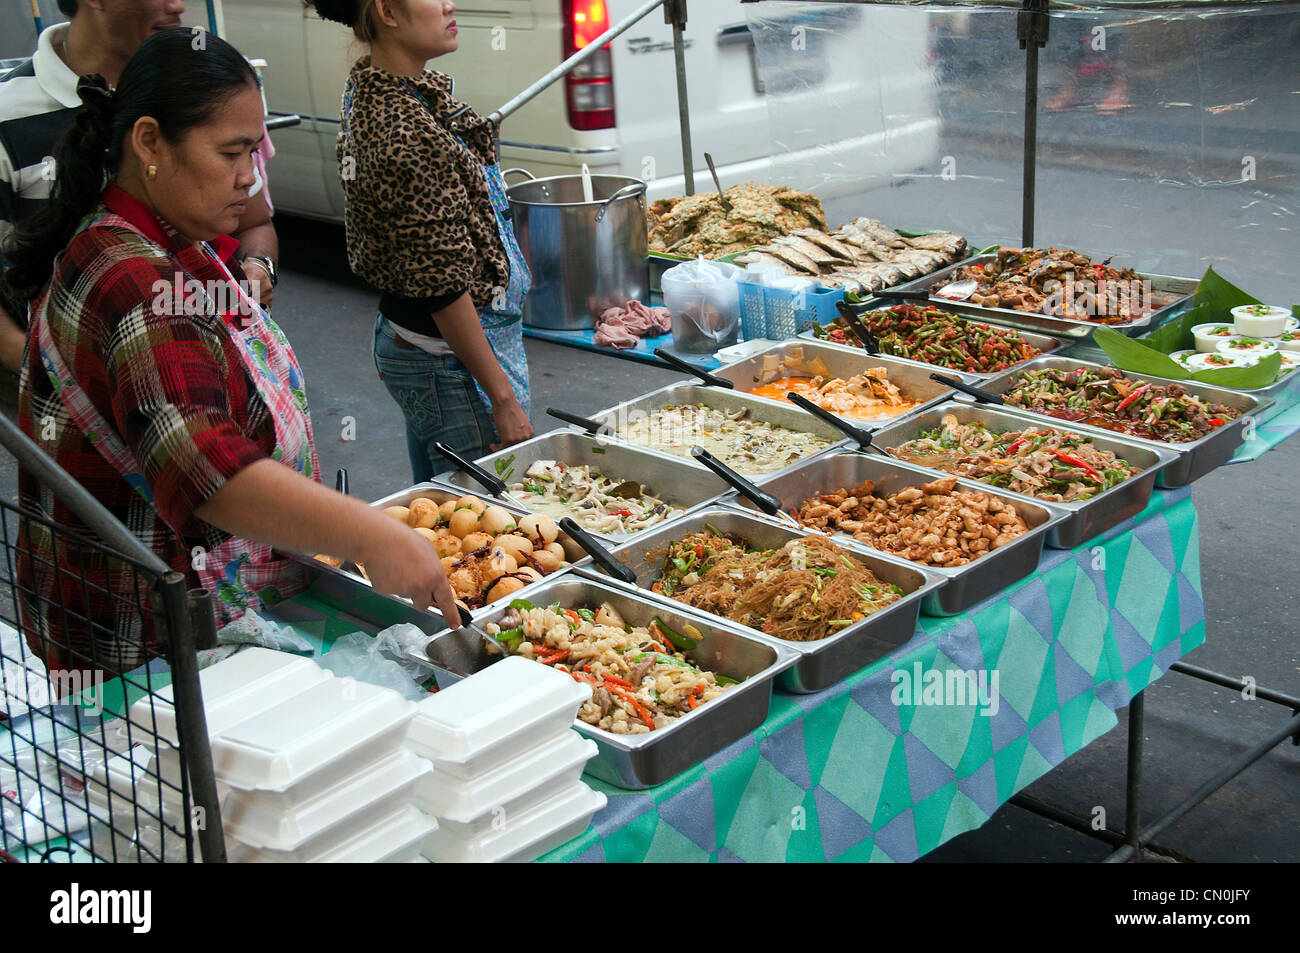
x,y
1016,445
1076,462
1133,395
573,617
1217,421
699,550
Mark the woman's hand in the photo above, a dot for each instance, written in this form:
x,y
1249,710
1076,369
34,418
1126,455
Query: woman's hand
x,y
270,503
401,562
511,422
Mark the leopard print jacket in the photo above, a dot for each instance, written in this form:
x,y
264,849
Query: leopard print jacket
x,y
419,217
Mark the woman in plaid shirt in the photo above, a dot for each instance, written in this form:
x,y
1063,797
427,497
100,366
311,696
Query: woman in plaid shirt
x,y
156,381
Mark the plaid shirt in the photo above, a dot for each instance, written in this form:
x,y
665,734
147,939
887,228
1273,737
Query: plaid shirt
x,y
172,385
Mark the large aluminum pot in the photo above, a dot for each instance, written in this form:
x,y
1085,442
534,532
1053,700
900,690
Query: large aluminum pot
x,y
584,256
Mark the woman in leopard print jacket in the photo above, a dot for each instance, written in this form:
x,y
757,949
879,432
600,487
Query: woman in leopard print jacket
x,y
427,225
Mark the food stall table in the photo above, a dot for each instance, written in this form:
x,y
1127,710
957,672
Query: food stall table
x,y
847,774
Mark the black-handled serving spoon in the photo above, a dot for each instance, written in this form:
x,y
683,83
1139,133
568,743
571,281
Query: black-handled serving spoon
x,y
983,396
597,552
586,423
766,502
672,360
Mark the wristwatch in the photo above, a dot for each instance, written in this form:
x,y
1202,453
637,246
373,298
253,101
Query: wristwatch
x,y
266,263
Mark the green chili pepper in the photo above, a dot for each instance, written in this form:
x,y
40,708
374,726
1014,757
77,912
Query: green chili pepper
x,y
679,641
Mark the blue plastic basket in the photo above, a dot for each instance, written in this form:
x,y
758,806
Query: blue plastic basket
x,y
779,314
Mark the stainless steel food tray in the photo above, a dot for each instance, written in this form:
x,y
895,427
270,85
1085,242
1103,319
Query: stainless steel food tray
x,y
1194,459
644,760
967,585
1168,292
911,378
823,663
347,586
1088,517
760,408
671,479
1044,342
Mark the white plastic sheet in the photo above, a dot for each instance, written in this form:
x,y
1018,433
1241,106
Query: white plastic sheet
x,y
1169,138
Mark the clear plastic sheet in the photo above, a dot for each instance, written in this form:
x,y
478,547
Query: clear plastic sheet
x,y
1168,138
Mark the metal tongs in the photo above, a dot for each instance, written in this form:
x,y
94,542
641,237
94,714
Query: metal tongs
x,y
856,434
586,423
599,554
865,337
675,362
766,502
983,396
494,485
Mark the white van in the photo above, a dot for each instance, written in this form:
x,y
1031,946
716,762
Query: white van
x,y
618,114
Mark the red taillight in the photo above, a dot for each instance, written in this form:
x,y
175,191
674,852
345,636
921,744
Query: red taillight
x,y
589,89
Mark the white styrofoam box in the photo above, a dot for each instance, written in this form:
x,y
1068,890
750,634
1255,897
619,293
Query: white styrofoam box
x,y
524,838
264,820
247,683
393,839
467,808
336,726
488,719
140,777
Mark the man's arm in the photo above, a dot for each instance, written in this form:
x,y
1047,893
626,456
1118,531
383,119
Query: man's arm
x,y
256,234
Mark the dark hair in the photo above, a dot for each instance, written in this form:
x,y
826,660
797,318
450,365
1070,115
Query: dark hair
x,y
180,78
68,8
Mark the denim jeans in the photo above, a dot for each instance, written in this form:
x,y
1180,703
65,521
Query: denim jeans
x,y
438,400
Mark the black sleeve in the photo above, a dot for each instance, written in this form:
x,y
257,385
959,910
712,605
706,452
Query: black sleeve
x,y
416,314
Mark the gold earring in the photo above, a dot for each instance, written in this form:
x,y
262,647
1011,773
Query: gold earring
x,y
151,173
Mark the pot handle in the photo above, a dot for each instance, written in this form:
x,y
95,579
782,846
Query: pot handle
x,y
506,172
624,192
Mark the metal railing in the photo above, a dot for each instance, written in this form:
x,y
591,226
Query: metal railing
x,y
96,631
675,15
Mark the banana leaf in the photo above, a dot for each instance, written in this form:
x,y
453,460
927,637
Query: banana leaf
x,y
1213,302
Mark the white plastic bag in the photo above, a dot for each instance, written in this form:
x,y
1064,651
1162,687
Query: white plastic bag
x,y
252,629
382,659
704,300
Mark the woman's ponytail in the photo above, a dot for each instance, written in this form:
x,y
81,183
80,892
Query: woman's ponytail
x,y
81,161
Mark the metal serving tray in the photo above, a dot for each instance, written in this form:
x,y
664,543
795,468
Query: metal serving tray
x,y
1088,517
644,760
1195,459
347,586
968,584
1168,293
760,408
671,479
821,663
1044,342
911,378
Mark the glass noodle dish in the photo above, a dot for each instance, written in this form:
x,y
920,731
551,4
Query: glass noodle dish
x,y
593,500
640,679
1048,464
807,590
736,437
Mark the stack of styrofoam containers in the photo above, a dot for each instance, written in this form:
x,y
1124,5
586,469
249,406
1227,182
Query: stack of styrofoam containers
x,y
312,767
506,784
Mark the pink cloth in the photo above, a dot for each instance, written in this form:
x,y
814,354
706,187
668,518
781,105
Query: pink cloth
x,y
623,327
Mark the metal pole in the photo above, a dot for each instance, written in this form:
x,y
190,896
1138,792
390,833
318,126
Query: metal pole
x,y
577,59
1031,30
1133,792
191,721
1290,729
1082,825
675,13
89,510
202,620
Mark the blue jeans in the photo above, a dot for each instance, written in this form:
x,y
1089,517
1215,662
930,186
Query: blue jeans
x,y
438,400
